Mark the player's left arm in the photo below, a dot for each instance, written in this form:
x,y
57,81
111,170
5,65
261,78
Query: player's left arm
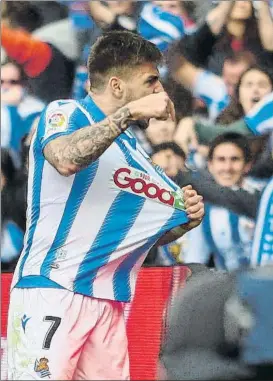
x,y
195,211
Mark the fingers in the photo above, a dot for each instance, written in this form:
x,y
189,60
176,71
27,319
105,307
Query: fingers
x,y
187,187
198,215
171,110
189,195
192,200
193,203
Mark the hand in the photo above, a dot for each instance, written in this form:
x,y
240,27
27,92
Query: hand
x,y
194,207
185,135
158,106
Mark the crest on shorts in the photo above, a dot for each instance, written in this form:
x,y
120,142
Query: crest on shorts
x,y
41,367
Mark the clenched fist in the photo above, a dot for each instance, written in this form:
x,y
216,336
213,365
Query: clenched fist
x,y
158,106
194,207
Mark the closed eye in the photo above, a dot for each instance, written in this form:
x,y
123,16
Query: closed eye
x,y
152,80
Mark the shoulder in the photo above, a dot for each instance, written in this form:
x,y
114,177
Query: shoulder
x,y
63,112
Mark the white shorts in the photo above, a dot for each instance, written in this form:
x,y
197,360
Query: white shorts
x,y
58,335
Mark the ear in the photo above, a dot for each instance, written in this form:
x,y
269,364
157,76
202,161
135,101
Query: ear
x,y
247,168
117,87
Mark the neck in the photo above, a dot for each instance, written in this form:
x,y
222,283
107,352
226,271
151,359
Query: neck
x,y
236,28
106,103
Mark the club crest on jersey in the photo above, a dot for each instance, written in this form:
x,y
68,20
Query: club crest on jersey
x,y
142,184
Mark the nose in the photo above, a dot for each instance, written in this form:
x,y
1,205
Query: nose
x,y
227,165
256,88
158,87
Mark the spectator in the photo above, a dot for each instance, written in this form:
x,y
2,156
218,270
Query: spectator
x,y
81,21
12,230
19,109
171,158
229,242
249,111
232,26
213,90
47,54
243,29
160,131
12,131
13,83
115,15
253,85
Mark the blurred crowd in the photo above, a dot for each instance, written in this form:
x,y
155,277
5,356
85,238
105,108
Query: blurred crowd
x,y
218,71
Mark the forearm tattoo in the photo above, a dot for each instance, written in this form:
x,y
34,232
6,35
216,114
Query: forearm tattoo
x,y
87,144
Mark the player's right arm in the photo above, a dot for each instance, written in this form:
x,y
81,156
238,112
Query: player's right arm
x,y
72,152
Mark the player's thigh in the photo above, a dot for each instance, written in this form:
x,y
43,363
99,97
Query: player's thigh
x,y
105,353
44,339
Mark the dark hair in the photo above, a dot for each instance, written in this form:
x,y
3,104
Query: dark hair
x,y
7,166
14,194
242,56
118,50
251,36
232,137
181,97
177,150
23,14
234,111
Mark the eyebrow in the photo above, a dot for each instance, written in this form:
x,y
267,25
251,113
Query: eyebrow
x,y
229,157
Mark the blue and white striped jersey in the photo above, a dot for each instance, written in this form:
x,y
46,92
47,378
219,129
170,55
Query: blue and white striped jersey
x,y
160,27
262,252
90,232
225,235
213,92
260,119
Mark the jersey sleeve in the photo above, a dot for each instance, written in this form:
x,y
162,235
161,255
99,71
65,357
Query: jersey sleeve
x,y
59,119
260,119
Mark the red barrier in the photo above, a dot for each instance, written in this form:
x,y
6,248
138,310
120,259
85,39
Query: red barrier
x,y
144,318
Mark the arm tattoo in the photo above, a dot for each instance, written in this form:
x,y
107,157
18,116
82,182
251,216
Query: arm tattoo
x,y
86,145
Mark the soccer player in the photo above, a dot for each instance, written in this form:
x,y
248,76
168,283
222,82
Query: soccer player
x,y
96,205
